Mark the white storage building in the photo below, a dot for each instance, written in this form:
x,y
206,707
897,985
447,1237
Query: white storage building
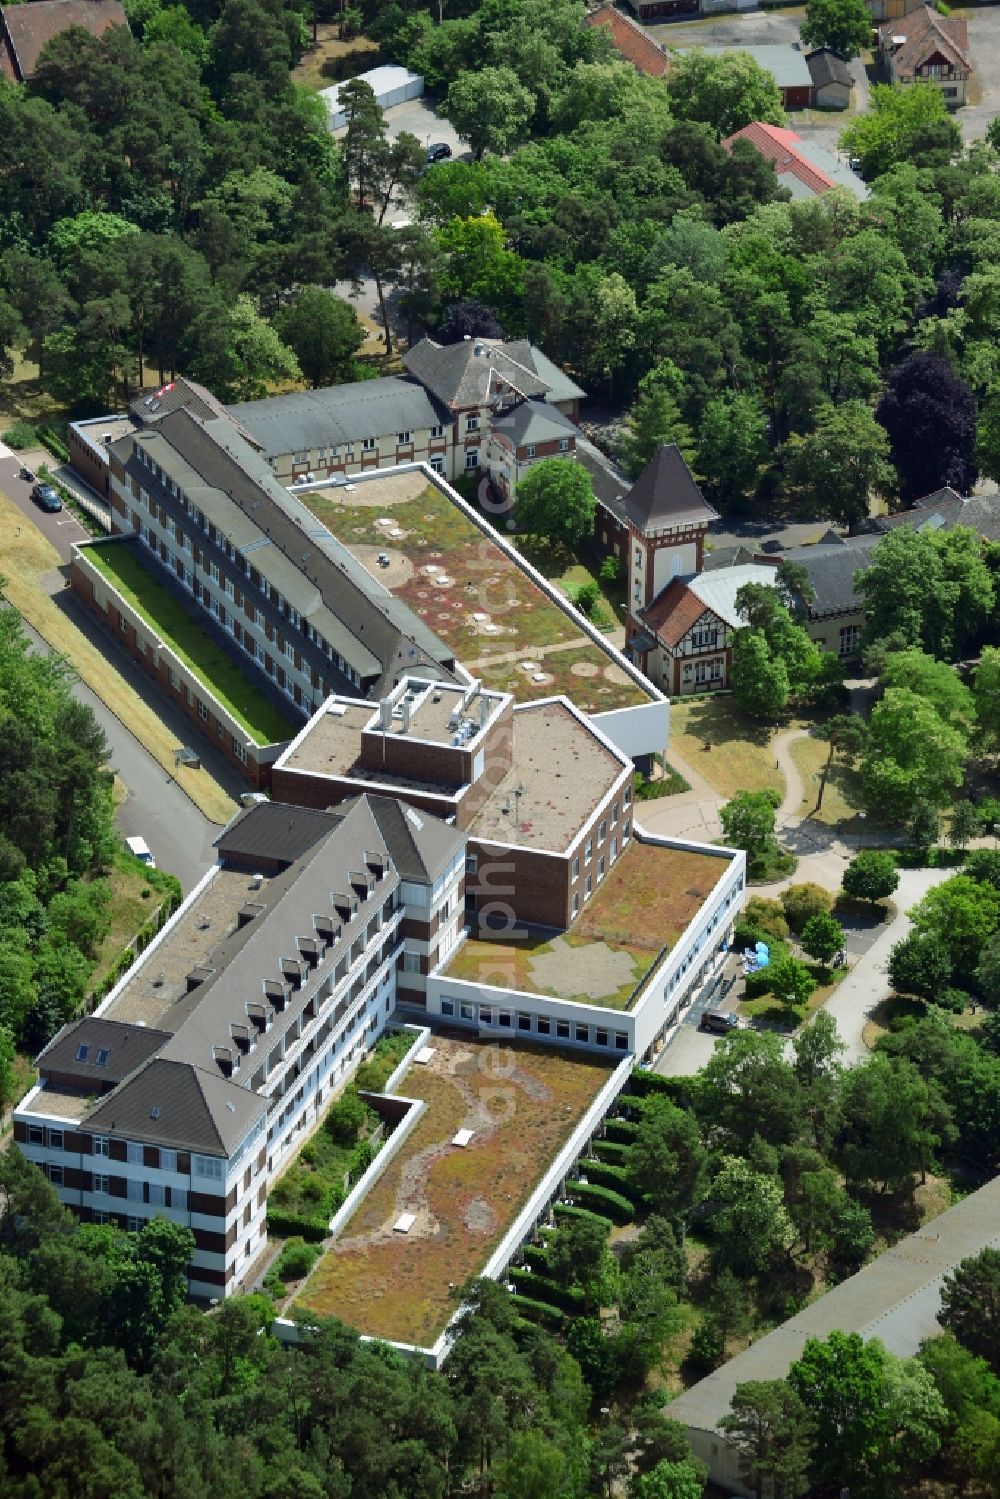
x,y
390,85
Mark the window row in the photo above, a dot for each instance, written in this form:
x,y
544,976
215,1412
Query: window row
x,y
537,1025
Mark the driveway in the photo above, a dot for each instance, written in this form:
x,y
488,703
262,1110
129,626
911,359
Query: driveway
x,y
420,118
984,49
61,529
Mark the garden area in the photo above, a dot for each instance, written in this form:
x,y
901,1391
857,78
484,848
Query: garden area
x,y
474,597
638,912
309,1192
521,1107
183,632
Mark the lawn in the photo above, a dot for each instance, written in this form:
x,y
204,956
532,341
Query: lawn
x,y
182,631
309,70
642,907
741,757
482,580
569,569
774,1014
841,802
27,557
522,1105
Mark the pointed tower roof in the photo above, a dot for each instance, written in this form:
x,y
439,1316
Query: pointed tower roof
x,y
665,494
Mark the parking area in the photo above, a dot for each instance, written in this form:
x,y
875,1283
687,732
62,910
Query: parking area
x,y
746,29
421,119
984,49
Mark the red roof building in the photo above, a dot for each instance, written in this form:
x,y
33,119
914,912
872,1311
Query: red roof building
x,y
805,168
25,29
631,41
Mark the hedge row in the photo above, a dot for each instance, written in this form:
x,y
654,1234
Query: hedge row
x,y
539,1311
570,1298
614,1152
615,1178
536,1257
568,1210
616,1207
645,1084
623,1130
53,442
284,1225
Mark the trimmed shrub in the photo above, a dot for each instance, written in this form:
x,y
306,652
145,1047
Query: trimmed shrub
x,y
623,1130
289,1225
615,1178
51,440
296,1259
553,1292
611,1151
569,1210
539,1311
614,1205
645,1083
802,901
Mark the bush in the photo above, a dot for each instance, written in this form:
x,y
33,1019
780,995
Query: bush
x,y
955,1000
766,916
289,1225
54,443
615,1206
568,1210
539,1311
611,1151
604,1175
552,1292
296,1259
610,569
585,597
346,1118
802,901
21,435
622,1130
645,1083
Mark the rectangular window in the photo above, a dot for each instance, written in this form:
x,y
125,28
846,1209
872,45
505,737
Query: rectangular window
x,y
505,1019
100,1215
133,1153
575,905
588,888
472,424
239,750
134,1224
122,622
562,1030
437,463
82,1052
530,450
403,438
564,444
621,1041
369,444
437,431
600,869
850,637
36,1134
543,1025
471,863
101,1145
485,1015
602,831
523,1022
55,1139
583,1033
576,868
202,710
447,1007
588,849
411,962
601,1037
471,459
614,849
156,1194
210,1166
213,568
102,1184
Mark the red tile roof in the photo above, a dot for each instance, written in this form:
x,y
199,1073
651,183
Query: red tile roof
x,y
25,29
926,33
632,42
779,145
673,612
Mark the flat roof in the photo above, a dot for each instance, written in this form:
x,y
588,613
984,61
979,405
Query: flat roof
x,y
522,1105
896,1299
782,59
58,1103
563,771
643,906
475,595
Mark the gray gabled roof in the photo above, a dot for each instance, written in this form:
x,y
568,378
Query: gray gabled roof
x,y
339,414
274,831
480,370
665,494
831,571
179,1106
826,67
73,1052
533,422
420,846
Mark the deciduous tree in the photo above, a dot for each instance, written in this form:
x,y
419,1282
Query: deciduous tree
x,y
491,109
323,333
845,26
555,501
871,875
929,414
726,92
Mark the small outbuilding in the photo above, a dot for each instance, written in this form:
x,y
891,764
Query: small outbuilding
x,y
831,78
390,85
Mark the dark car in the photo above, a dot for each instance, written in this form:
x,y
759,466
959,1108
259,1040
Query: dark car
x,y
717,1020
46,498
440,152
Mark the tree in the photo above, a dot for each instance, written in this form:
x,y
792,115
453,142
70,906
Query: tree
x,y
726,92
761,688
748,823
970,1305
913,758
666,1160
578,1253
822,937
478,263
764,609
750,1220
469,319
843,461
773,1436
655,421
964,825
670,1480
555,501
908,124
871,875
789,980
323,333
747,1089
7,1074
986,691
491,109
924,829
961,916
933,680
840,1382
893,1121
929,413
845,26
732,442
929,589
845,734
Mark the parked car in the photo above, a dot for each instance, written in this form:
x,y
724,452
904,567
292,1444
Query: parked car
x,y
46,498
252,798
718,1021
140,848
441,151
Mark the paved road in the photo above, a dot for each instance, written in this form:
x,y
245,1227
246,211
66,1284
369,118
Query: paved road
x,y
178,835
62,529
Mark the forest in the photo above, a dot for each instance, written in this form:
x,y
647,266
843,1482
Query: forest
x,y
169,197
